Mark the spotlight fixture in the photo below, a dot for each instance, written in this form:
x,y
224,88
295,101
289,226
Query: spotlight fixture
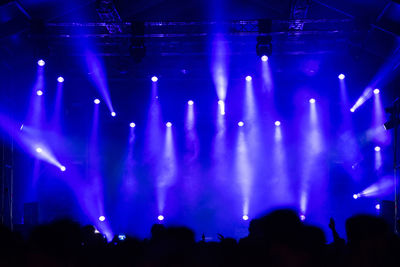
x,y
39,150
113,114
277,123
168,124
352,110
341,76
160,217
312,101
190,102
41,62
377,148
39,92
60,79
378,206
264,58
376,91
154,79
240,123
355,196
63,169
97,101
245,217
132,125
248,78
102,218
302,217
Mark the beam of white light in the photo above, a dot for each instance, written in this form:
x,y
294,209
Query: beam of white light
x,y
168,170
378,159
367,94
244,171
378,133
267,76
381,188
219,64
98,76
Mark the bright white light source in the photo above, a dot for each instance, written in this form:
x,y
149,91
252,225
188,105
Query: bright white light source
x,y
102,218
132,125
240,123
168,124
63,169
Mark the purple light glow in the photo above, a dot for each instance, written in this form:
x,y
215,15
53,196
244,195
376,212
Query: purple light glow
x,y
302,217
341,76
240,123
102,218
41,62
376,91
39,92
154,79
245,217
264,58
132,125
60,79
248,78
96,101
168,124
160,217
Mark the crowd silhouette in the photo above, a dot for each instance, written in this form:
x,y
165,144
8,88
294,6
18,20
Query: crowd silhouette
x,y
279,238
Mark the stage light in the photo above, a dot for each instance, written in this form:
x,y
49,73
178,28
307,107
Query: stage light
x,y
277,123
248,78
376,91
190,102
96,101
220,102
312,101
113,114
168,124
102,218
39,92
341,76
60,79
264,58
160,217
240,123
132,125
378,206
352,110
377,148
302,217
355,196
41,62
154,79
22,127
122,237
245,217
39,150
63,169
